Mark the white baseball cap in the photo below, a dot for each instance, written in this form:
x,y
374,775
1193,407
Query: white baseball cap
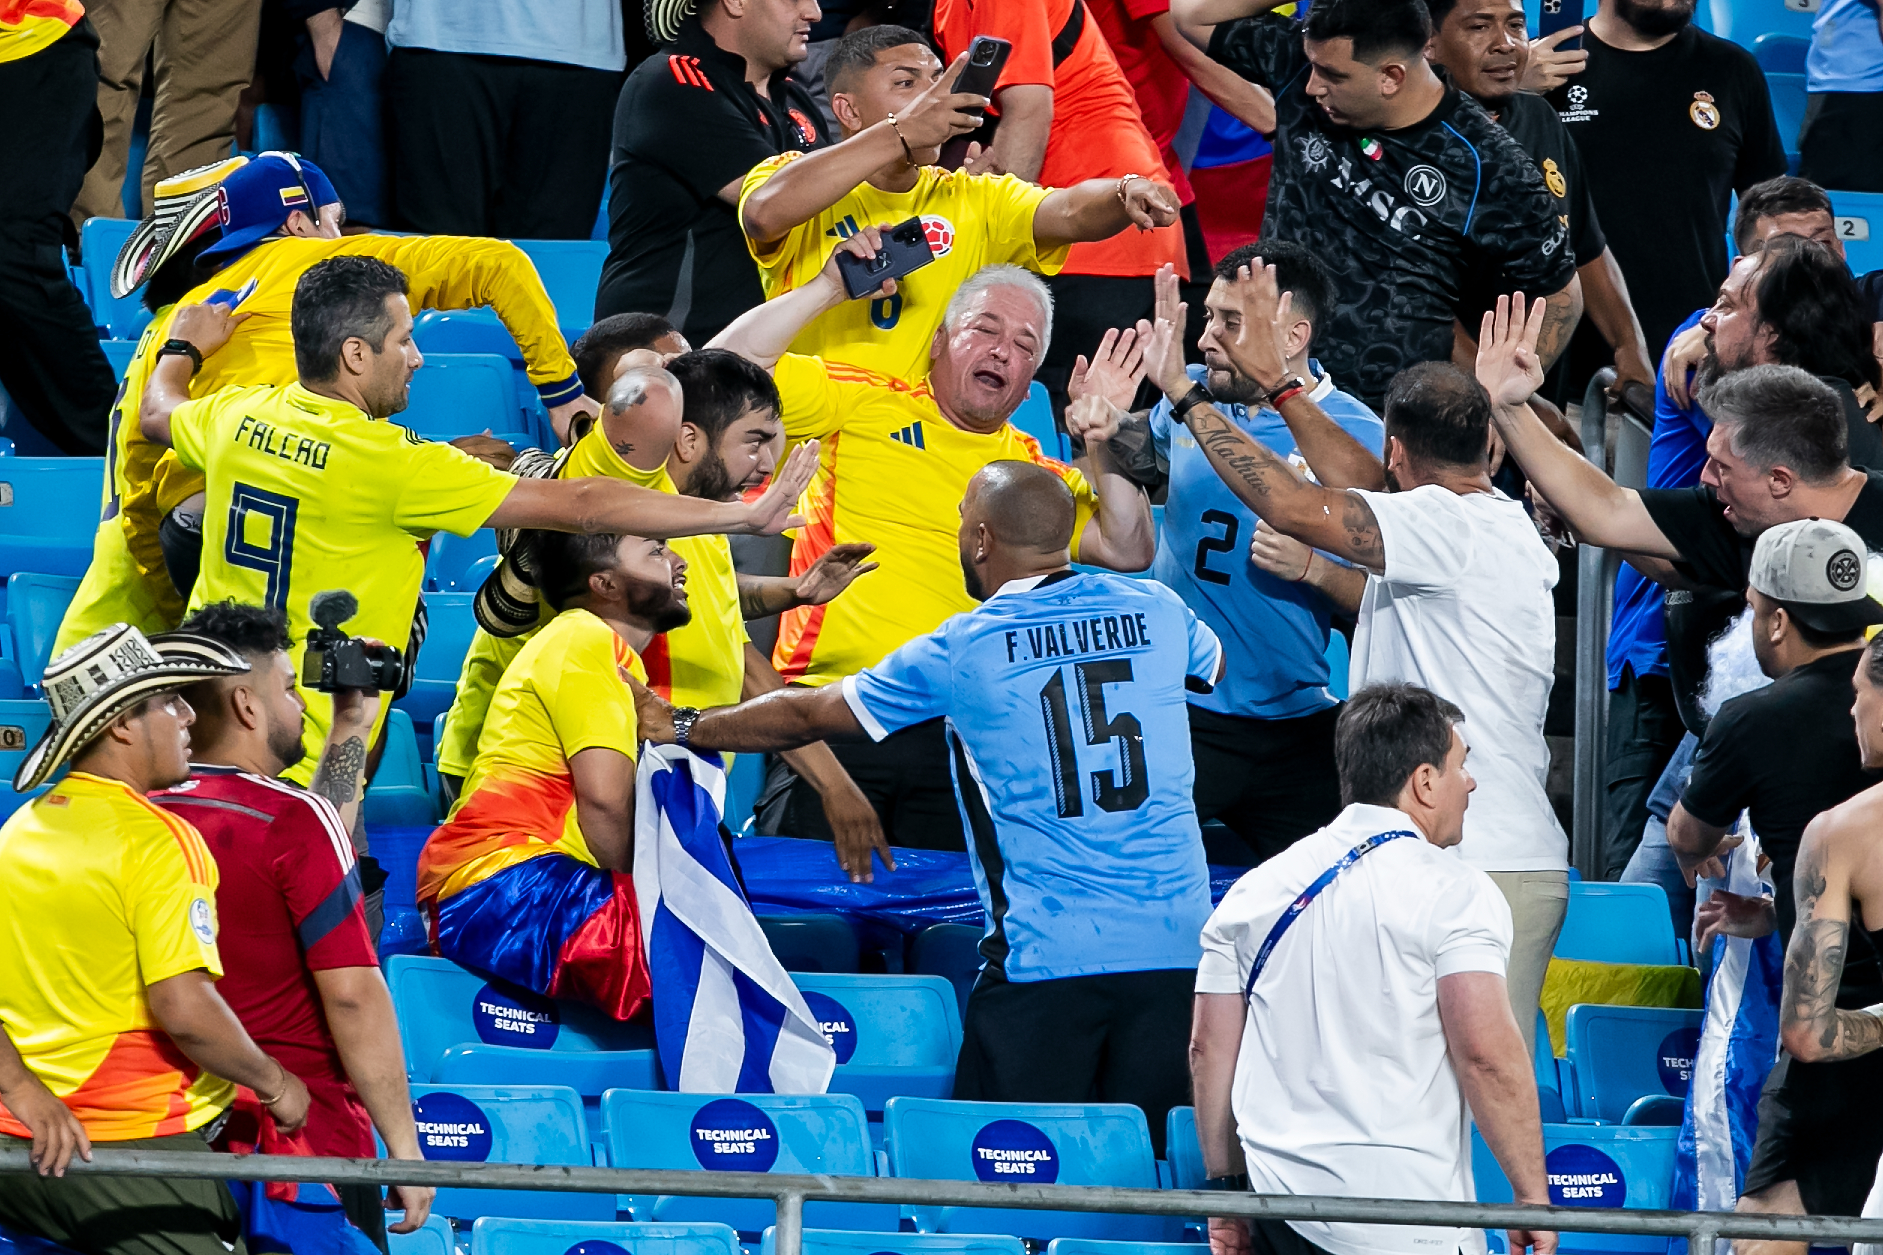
x,y
1817,570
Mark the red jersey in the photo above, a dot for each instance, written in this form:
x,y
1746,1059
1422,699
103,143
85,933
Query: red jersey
x,y
1162,89
1097,132
290,904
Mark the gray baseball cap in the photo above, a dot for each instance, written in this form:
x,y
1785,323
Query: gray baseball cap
x,y
1817,570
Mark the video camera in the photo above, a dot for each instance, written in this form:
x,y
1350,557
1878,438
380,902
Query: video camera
x,y
336,661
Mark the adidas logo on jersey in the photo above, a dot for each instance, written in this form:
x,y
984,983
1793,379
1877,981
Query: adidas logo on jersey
x,y
910,435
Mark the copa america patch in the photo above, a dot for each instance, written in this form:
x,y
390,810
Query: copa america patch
x,y
203,921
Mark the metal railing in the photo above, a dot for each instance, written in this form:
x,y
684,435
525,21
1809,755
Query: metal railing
x,y
791,1192
1595,585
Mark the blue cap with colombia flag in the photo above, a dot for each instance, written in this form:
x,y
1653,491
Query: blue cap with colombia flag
x,y
255,201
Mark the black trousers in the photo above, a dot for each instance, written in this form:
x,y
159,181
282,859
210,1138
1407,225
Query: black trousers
x,y
1269,781
50,361
1842,145
498,145
1116,1037
905,776
1643,729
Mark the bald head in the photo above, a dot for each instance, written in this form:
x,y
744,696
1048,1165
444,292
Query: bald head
x,y
1023,505
642,418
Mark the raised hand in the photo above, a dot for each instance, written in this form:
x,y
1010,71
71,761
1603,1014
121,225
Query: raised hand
x,y
1116,368
1684,352
772,512
833,572
941,113
207,326
1093,419
1163,354
1508,365
1259,350
1549,67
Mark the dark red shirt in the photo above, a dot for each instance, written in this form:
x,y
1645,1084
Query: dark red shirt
x,y
289,904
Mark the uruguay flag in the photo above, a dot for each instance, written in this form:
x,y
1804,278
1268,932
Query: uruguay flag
x,y
727,1019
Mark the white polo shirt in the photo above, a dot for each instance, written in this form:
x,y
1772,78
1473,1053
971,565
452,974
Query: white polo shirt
x,y
1343,1084
1464,609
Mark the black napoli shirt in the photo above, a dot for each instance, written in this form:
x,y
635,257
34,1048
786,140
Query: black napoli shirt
x,y
1666,137
686,125
1403,218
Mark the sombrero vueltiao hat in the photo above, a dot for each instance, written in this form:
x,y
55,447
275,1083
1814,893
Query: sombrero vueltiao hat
x,y
108,673
184,210
664,17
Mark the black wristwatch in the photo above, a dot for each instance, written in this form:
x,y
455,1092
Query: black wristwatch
x,y
1198,395
182,348
684,717
1235,1181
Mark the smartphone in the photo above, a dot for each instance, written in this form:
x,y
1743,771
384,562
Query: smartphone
x,y
1560,15
905,248
987,57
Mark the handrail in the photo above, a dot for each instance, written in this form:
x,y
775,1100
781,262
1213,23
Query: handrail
x,y
791,1192
1595,580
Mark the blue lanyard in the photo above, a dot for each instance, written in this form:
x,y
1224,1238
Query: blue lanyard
x,y
1313,891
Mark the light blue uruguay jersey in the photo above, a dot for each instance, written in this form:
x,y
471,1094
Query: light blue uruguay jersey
x,y
1274,633
1070,746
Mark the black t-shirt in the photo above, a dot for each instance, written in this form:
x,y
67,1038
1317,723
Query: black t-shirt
x,y
1541,134
1666,137
1871,285
687,124
1714,554
1785,752
1402,217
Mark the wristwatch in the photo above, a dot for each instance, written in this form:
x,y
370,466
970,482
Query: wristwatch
x,y
1198,395
182,348
684,717
1235,1181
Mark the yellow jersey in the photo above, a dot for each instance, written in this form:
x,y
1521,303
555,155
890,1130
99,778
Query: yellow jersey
x,y
143,483
306,494
891,470
105,895
26,26
566,691
972,220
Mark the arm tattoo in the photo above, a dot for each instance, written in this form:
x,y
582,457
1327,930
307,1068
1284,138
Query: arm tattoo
x,y
338,777
1363,533
1814,966
1559,321
761,596
1135,454
1243,462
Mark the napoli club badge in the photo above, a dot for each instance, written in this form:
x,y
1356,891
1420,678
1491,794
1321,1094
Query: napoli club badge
x,y
1705,114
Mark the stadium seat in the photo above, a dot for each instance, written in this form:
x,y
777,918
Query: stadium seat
x,y
12,681
1035,418
950,950
494,1235
1182,1150
1026,1143
49,513
590,1074
273,132
481,331
452,559
449,628
815,1133
119,353
894,1035
1606,1165
1093,1246
837,1242
812,943
1620,1054
1780,54
100,239
464,394
398,795
529,1124
1788,110
22,723
571,270
1860,227
441,1005
1617,923
434,1238
36,605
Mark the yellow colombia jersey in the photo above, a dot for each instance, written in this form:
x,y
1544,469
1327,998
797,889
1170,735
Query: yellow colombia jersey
x,y
972,220
26,26
567,691
891,470
701,664
307,494
107,894
143,484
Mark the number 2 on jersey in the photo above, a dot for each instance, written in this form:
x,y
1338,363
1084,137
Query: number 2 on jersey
x,y
1226,543
274,513
1121,730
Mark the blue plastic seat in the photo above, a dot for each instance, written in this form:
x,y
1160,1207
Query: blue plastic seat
x,y
1788,111
463,394
1608,1165
441,1005
1620,1054
1091,1246
1860,227
838,1242
1611,923
450,625
1035,418
434,1237
49,513
1028,1144
36,605
528,1124
1183,1151
453,564
814,1133
398,795
952,951
119,353
12,679
494,1235
812,942
894,1035
590,1074
22,723
1781,54
100,240
571,270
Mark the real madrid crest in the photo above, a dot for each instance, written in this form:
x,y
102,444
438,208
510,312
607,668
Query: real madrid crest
x,y
1559,186
1705,114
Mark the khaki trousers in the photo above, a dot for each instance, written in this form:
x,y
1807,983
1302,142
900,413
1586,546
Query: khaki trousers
x,y
1538,902
203,54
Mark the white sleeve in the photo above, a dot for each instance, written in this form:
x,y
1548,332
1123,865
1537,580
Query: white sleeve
x,y
1220,972
1471,928
1424,534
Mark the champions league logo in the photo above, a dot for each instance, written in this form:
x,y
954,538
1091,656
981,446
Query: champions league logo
x,y
1315,152
1578,96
